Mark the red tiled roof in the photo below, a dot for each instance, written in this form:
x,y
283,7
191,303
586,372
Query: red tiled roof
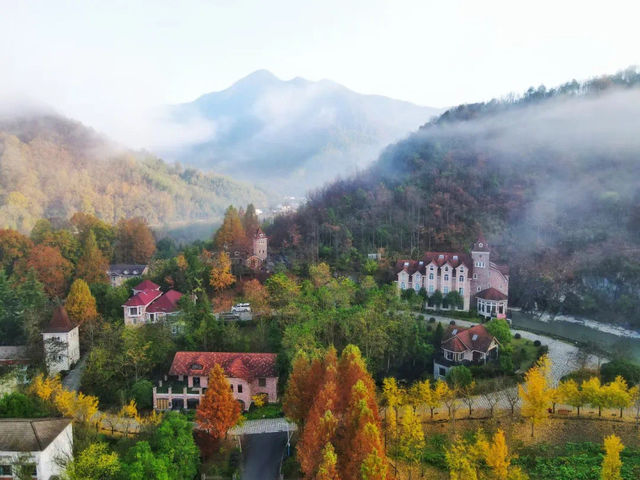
x,y
463,339
59,322
142,298
167,303
236,365
438,258
146,285
491,294
259,233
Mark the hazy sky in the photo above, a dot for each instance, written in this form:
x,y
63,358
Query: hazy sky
x,y
103,62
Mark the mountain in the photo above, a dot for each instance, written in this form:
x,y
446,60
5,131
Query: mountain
x,y
291,136
551,177
51,166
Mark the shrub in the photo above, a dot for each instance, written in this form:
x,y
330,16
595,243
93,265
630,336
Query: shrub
x,y
452,322
517,336
432,320
142,393
536,343
628,370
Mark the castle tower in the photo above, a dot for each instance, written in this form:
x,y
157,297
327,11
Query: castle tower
x,y
480,254
260,244
61,342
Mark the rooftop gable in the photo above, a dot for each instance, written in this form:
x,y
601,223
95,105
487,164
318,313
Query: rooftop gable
x,y
167,303
247,366
30,435
460,339
60,322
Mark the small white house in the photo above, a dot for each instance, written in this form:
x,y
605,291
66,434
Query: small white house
x,y
36,447
61,343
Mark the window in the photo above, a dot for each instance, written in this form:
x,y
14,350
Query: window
x,y
442,372
431,268
449,356
431,276
446,277
402,286
445,290
239,388
195,366
5,470
416,286
231,387
461,269
262,382
133,311
461,291
431,288
477,289
475,276
461,278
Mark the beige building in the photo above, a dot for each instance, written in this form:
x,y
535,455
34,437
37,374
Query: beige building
x,y
482,284
61,341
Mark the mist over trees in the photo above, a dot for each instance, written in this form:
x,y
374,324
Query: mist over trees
x,y
550,177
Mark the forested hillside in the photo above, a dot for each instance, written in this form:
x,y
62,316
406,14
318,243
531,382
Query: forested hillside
x,y
551,177
52,167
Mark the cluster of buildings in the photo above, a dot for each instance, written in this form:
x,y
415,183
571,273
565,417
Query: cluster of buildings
x,y
480,283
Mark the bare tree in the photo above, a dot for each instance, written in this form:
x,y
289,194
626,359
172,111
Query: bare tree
x,y
512,398
491,398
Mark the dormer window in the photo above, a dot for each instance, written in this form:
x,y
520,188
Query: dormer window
x,y
441,257
446,269
126,272
431,268
481,245
195,366
420,263
455,258
406,264
474,338
460,269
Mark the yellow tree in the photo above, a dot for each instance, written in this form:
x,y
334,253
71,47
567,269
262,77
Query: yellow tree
x,y
128,416
611,463
618,395
411,439
80,304
392,397
461,462
435,398
594,393
220,276
536,393
497,456
328,468
570,393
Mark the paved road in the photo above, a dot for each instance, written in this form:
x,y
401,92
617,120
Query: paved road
x,y
262,454
265,425
72,380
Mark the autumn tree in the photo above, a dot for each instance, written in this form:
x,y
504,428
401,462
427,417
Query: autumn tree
x,y
618,394
611,464
231,234
250,220
134,241
594,393
299,394
220,276
218,410
80,304
411,439
51,268
13,247
497,456
256,294
328,468
92,265
536,392
461,461
570,393
95,461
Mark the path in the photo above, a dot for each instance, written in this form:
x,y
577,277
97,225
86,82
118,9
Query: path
x,y
265,425
73,378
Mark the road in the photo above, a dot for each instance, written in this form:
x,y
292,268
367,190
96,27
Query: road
x,y
262,455
72,380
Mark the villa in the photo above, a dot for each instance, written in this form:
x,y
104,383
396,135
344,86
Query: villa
x,y
149,305
464,346
249,374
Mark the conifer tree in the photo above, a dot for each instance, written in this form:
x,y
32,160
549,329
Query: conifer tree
x,y
92,266
250,221
220,276
231,233
611,464
80,304
328,468
298,396
497,456
218,410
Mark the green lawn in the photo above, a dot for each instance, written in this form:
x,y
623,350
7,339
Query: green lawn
x,y
526,351
270,410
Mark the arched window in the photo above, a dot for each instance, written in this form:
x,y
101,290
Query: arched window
x,y
461,279
446,277
431,276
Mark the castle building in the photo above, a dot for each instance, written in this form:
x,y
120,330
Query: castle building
x,y
61,342
481,283
259,249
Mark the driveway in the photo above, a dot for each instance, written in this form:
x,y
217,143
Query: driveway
x,y
72,380
262,455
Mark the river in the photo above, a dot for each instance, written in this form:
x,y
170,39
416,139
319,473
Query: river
x,y
611,339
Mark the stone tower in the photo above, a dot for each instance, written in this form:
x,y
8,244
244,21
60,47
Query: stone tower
x,y
480,254
260,244
61,342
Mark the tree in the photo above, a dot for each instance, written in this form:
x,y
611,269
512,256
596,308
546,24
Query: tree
x,y
95,461
220,276
411,439
436,299
536,392
611,464
609,371
173,441
499,328
231,233
594,394
437,396
128,416
282,290
299,394
570,393
461,462
618,394
218,410
497,456
92,265
80,304
141,463
19,405
454,299
13,247
250,221
256,294
52,270
142,393
134,241
328,468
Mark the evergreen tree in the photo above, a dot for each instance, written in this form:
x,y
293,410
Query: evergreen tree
x,y
250,221
328,468
92,266
231,234
80,304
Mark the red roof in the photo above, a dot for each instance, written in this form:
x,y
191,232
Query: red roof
x,y
142,298
460,339
59,322
146,285
236,365
491,294
167,303
454,259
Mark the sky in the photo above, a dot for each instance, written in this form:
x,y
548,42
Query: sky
x,y
104,63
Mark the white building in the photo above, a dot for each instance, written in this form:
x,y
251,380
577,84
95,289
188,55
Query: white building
x,y
61,343
121,272
34,446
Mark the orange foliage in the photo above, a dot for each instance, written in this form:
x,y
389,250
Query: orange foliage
x,y
135,242
218,410
13,247
51,268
